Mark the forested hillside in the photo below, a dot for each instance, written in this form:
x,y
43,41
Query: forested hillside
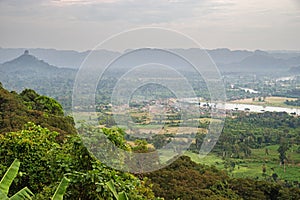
x,y
185,179
18,109
35,131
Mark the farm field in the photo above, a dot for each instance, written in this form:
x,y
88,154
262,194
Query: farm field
x,y
252,167
268,101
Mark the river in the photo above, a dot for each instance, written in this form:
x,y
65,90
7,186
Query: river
x,y
244,107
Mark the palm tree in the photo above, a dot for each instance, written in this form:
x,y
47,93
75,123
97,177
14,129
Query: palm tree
x,y
61,189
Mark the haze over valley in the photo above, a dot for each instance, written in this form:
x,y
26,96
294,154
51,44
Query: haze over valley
x,y
149,100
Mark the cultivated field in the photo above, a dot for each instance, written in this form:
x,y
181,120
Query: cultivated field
x,y
268,101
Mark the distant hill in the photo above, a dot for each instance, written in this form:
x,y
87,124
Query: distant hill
x,y
227,60
226,56
26,64
294,61
27,71
61,58
295,70
284,54
262,62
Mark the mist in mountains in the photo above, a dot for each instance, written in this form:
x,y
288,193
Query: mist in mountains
x,y
225,59
52,72
28,71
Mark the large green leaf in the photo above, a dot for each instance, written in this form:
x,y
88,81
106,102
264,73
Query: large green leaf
x,y
61,189
3,196
24,194
120,196
112,188
9,176
123,196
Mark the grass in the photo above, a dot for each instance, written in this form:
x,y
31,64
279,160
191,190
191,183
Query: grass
x,y
210,159
252,167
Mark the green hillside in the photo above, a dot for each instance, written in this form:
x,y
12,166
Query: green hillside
x,y
28,106
35,131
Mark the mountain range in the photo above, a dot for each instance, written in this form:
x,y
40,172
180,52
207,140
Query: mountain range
x,y
226,59
27,70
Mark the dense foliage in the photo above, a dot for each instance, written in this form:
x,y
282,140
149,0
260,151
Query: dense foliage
x,y
34,130
48,155
45,162
18,109
185,179
244,132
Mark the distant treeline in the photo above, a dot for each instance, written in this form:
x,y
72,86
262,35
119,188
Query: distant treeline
x,y
293,103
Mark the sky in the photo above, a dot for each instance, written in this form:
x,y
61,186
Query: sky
x,y
82,24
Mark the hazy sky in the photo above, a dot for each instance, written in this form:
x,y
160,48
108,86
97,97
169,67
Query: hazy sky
x,y
82,24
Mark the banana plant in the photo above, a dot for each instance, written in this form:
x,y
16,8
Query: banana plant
x,y
61,189
118,196
6,181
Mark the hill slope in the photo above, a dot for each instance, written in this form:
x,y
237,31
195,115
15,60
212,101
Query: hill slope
x,y
295,70
18,109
